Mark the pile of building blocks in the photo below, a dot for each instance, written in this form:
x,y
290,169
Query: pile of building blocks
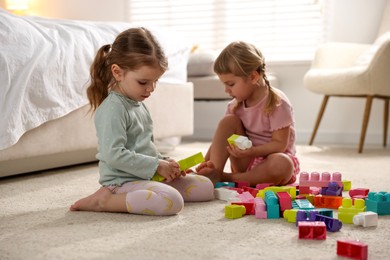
x,y
310,205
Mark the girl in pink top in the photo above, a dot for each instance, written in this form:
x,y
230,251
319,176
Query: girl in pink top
x,y
258,111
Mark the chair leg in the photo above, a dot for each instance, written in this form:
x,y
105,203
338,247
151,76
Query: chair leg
x,y
366,118
319,117
385,122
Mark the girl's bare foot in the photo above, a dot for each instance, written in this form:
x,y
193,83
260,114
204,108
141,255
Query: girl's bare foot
x,y
94,202
208,169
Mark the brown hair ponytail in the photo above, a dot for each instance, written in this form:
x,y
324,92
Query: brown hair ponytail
x,y
132,49
241,59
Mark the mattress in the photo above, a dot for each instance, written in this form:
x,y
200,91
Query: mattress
x,y
45,67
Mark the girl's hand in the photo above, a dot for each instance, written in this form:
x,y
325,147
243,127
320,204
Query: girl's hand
x,y
169,169
182,173
237,152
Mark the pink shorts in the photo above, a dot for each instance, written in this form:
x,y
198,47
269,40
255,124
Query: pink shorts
x,y
257,160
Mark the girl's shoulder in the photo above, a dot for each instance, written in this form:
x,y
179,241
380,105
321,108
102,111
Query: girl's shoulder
x,y
282,95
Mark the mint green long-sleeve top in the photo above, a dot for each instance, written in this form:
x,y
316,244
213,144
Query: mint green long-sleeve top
x,y
126,151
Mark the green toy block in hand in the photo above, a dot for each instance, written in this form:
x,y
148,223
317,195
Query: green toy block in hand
x,y
184,164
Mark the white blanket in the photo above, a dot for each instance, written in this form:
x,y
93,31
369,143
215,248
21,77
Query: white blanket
x,y
44,67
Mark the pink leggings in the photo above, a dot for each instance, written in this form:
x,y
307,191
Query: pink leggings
x,y
158,198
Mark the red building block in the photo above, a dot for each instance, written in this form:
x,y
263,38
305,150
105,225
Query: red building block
x,y
241,184
250,207
330,202
358,192
251,190
284,200
352,249
312,230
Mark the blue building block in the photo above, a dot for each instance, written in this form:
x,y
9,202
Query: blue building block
x,y
224,184
302,204
272,202
378,202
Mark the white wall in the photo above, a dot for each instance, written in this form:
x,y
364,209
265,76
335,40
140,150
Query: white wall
x,y
347,20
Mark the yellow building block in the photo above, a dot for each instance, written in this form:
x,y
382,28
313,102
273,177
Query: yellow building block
x,y
289,189
346,211
234,211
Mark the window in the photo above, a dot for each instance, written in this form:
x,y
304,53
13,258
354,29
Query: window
x,y
284,30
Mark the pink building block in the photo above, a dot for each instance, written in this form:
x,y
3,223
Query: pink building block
x,y
246,196
316,179
262,186
260,209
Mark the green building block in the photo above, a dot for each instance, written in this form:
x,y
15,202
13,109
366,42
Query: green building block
x,y
346,211
191,161
184,164
157,177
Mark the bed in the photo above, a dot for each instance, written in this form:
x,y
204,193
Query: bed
x,y
44,72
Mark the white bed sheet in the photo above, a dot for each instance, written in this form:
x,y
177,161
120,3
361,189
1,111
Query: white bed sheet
x,y
44,67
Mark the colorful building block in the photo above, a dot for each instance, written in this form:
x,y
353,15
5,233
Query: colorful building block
x,y
332,224
184,164
253,191
366,219
361,192
352,249
290,189
157,177
346,211
246,196
225,183
272,205
291,214
316,179
302,204
241,184
331,202
234,211
225,194
242,142
249,206
284,200
260,208
378,202
191,161
239,190
333,189
262,186
311,230
347,185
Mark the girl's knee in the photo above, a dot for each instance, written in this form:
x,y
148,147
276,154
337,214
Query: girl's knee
x,y
281,167
205,189
230,120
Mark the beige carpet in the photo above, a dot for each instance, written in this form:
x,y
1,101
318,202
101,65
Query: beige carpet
x,y
35,222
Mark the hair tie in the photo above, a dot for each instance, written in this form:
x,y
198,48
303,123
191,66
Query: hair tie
x,y
107,48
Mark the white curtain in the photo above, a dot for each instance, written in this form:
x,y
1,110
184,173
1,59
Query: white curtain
x,y
284,30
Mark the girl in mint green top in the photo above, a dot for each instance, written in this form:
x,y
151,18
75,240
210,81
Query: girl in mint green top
x,y
122,76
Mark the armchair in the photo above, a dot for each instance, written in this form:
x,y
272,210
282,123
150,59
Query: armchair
x,y
354,70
